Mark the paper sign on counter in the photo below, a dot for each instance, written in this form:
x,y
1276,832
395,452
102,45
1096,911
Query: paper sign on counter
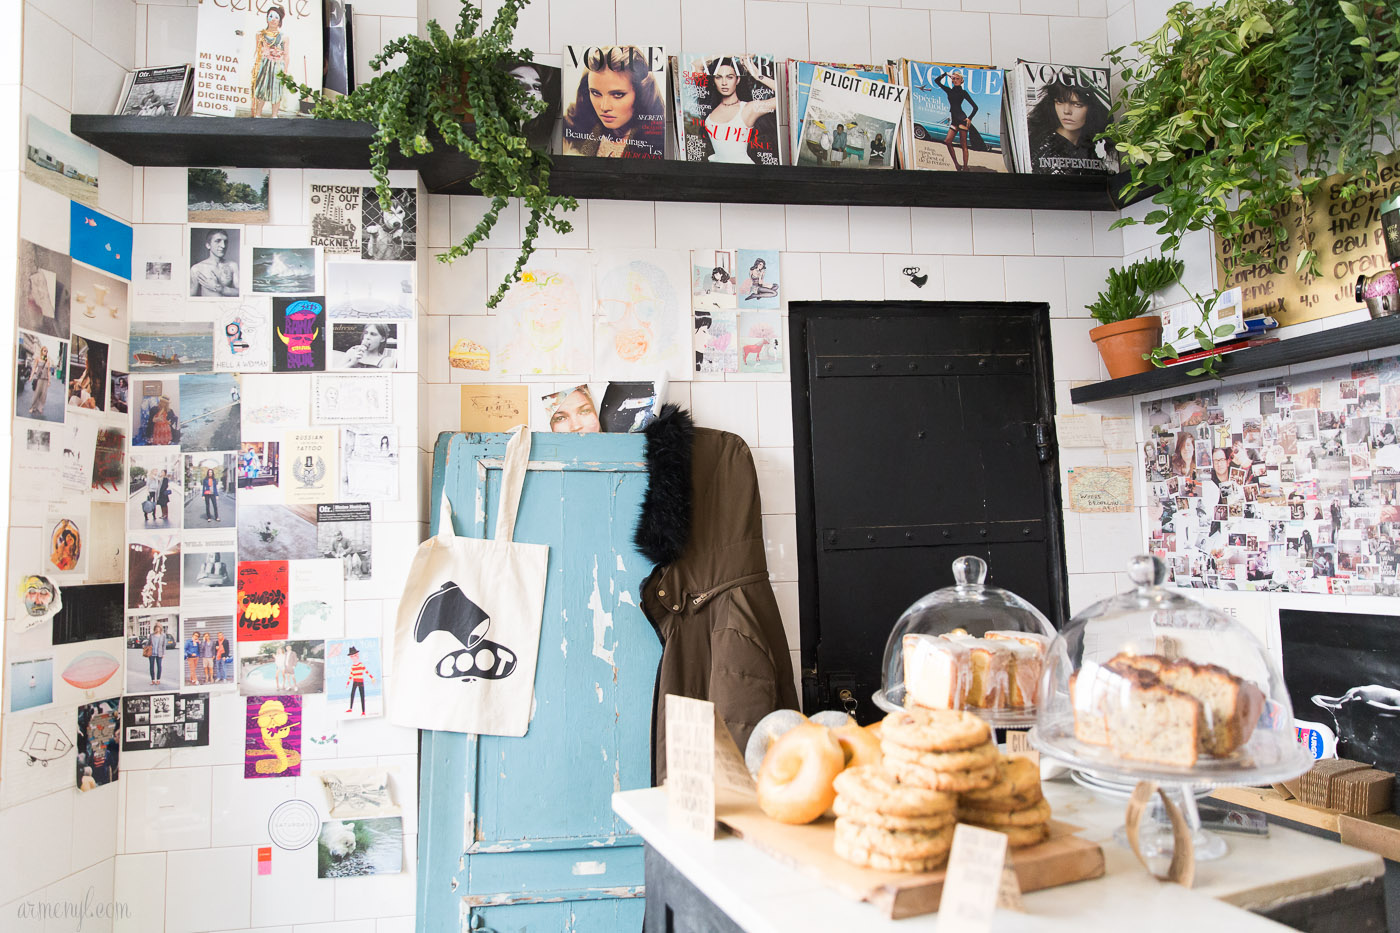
x,y
1018,745
690,765
1101,489
973,884
1079,430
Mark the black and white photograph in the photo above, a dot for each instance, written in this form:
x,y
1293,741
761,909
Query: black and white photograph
x,y
43,285
277,532
374,290
208,576
372,345
284,270
343,532
165,720
215,255
389,233
155,92
41,372
228,195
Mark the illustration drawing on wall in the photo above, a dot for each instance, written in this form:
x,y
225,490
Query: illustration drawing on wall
x,y
450,610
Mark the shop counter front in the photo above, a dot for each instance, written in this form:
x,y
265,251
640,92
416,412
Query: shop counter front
x,y
727,885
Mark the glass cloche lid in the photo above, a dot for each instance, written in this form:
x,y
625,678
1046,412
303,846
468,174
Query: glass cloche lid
x,y
967,646
1151,684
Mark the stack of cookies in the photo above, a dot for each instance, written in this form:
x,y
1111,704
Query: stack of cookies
x,y
947,750
884,824
1012,805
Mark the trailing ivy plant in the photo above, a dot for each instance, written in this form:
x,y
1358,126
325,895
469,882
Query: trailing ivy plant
x,y
441,81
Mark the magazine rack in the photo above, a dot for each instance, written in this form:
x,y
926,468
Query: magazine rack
x,y
335,144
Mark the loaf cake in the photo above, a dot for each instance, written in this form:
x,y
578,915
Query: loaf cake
x,y
1149,721
955,671
1230,706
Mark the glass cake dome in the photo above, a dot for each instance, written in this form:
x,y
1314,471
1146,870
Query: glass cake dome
x,y
1153,685
968,646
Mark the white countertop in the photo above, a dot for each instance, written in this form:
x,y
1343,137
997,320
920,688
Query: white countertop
x,y
764,896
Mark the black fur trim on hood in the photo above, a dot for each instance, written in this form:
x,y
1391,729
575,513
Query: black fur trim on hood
x,y
664,526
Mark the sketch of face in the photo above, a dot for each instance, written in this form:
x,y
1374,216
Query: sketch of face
x,y
1072,113
544,317
613,97
726,79
575,415
529,78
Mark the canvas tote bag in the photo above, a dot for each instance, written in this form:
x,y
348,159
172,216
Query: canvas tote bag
x,y
468,631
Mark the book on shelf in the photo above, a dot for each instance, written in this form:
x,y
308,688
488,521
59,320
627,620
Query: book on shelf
x,y
156,92
799,88
1055,112
851,121
614,101
727,109
953,117
1221,349
240,54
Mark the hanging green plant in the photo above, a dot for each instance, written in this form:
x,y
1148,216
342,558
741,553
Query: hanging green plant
x,y
440,82
1237,109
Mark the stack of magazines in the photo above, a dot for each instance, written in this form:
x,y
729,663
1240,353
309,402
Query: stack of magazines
x,y
157,92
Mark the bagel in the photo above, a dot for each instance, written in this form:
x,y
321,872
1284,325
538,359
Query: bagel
x,y
858,745
769,729
795,782
831,718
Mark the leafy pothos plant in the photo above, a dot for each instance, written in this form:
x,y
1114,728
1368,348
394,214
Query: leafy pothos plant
x,y
440,82
1238,109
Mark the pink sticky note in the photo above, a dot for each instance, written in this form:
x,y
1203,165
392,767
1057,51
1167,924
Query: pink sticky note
x,y
265,860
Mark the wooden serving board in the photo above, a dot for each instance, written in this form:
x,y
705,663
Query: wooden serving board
x,y
1060,859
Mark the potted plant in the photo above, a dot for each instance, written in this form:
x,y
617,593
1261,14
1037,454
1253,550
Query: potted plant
x,y
1127,334
440,82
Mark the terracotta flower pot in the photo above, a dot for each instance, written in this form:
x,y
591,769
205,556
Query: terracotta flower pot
x,y
1123,343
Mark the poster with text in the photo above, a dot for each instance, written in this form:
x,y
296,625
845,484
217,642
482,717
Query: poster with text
x,y
263,613
241,51
299,341
165,720
335,218
309,466
272,743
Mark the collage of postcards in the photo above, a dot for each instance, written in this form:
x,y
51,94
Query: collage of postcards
x,y
1288,485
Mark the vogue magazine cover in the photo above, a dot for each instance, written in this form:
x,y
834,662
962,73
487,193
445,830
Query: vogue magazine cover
x,y
615,101
1058,111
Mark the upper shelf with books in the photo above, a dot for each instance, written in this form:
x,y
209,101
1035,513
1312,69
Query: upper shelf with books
x,y
330,144
1352,338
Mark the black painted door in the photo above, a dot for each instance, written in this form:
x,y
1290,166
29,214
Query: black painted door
x,y
922,432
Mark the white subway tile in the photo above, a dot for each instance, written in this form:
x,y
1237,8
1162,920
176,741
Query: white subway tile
x,y
1074,354
1051,8
1002,232
778,27
458,287
114,31
1063,233
880,229
853,277
1107,242
838,33
582,23
48,58
896,34
775,417
776,483
726,406
932,4
1078,40
208,889
1015,36
167,809
49,818
959,36
1084,279
170,34
786,595
621,224
974,278
817,227
687,225
802,277
651,22
1085,589
780,546
438,220
753,226
141,881
1037,278
75,16
291,892
466,211
942,230
1004,7
380,895
1121,26
708,26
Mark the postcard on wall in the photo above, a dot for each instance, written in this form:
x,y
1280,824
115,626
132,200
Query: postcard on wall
x,y
335,219
155,412
494,408
316,592
153,571
152,652
215,260
87,385
99,741
354,672
106,542
66,537
713,278
1100,489
208,578
358,792
89,613
43,284
99,302
78,440
642,322
31,683
277,532
758,280
228,195
209,412
347,399
36,455
272,743
39,754
344,532
61,162
87,671
109,463
171,347
375,290
243,336
165,720
42,370
207,649
299,337
361,847
280,401
244,48
212,503
155,278
543,324
119,392
369,467
281,667
284,270
263,613
154,500
309,465
372,345
760,342
389,233
99,240
260,471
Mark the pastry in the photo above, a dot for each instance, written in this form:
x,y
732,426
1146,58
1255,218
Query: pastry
x,y
936,671
910,773
844,807
1230,705
1038,812
955,670
935,730
894,843
1017,786
968,759
468,354
871,788
1148,721
795,780
1018,837
858,855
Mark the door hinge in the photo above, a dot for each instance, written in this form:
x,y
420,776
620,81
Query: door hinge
x,y
1044,441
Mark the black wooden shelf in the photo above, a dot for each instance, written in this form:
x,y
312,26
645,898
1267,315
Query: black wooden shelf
x,y
333,144
1353,338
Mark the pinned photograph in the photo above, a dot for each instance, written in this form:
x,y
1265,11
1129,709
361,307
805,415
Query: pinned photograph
x,y
369,468
66,534
335,218
119,391
156,275
173,720
299,335
43,284
208,577
89,613
87,383
356,792
356,848
389,233
758,285
40,599
263,611
343,532
228,195
281,667
154,489
354,678
207,652
109,463
210,412
86,669
171,347
211,490
713,278
258,470
41,361
31,683
150,639
383,290
365,346
99,240
153,573
99,741
215,254
628,407
60,162
277,532
99,302
284,270
78,442
155,419
272,743
572,411
317,596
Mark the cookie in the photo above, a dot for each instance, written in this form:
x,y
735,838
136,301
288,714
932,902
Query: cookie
x,y
895,843
1017,787
1001,804
858,814
1018,837
969,759
858,855
1036,813
935,730
910,773
872,788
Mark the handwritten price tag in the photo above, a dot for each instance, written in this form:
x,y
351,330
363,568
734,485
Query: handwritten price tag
x,y
974,883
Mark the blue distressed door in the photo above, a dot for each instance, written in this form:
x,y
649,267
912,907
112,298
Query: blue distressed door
x,y
518,834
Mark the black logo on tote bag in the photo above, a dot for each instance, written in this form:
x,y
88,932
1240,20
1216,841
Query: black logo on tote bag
x,y
450,610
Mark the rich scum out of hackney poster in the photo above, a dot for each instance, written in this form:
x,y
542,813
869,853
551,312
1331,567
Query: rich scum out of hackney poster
x,y
243,46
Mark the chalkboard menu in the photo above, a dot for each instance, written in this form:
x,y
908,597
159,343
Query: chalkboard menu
x,y
1347,236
